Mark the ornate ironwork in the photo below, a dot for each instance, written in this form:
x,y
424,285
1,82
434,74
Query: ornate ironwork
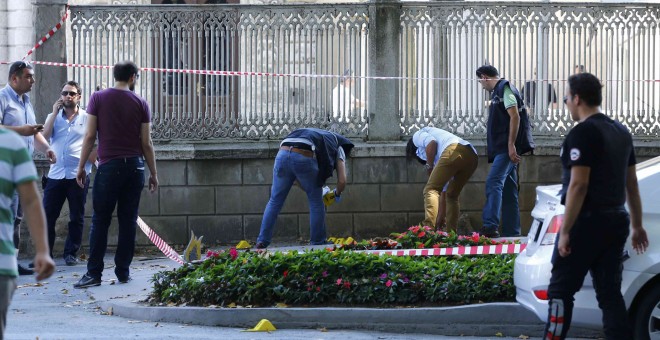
x,y
442,43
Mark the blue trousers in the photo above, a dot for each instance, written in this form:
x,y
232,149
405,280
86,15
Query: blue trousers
x,y
291,166
118,183
502,197
55,192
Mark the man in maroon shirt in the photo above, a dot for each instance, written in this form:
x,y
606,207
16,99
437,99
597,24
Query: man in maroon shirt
x,y
122,120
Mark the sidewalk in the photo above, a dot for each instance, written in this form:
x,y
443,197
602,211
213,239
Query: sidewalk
x,y
128,300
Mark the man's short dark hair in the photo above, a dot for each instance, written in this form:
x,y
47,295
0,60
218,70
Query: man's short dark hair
x,y
588,87
411,152
17,67
123,71
74,84
487,70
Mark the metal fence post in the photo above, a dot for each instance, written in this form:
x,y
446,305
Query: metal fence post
x,y
384,55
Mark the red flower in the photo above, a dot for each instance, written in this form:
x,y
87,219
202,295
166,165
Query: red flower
x,y
422,234
309,289
475,237
414,229
286,272
233,253
436,246
388,283
347,285
421,245
318,289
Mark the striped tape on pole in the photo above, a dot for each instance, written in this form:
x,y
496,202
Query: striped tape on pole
x,y
158,242
496,249
50,33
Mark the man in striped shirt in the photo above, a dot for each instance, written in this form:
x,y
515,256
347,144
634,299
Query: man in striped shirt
x,y
18,173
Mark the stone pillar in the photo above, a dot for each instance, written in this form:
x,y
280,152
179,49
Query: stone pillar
x,y
48,79
384,51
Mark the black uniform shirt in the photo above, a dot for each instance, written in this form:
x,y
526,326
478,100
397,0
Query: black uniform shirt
x,y
605,146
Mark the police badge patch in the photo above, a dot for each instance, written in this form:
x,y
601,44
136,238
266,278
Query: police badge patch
x,y
575,154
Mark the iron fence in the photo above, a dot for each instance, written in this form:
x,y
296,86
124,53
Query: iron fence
x,y
306,65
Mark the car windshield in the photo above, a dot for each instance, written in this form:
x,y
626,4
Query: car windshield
x,y
647,168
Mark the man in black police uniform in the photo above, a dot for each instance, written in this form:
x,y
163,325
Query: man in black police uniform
x,y
599,173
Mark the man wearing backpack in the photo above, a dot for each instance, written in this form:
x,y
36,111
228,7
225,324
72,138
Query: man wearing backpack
x,y
508,136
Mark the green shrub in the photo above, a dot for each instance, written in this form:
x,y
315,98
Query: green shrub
x,y
323,278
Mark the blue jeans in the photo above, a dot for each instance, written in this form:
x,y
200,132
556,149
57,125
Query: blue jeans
x,y
502,197
118,183
55,192
290,166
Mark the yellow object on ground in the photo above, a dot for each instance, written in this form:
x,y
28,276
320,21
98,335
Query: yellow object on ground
x,y
193,251
243,245
263,326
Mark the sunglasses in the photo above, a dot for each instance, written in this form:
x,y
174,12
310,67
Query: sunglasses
x,y
69,93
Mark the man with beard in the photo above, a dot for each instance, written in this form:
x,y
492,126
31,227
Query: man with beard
x,y
65,128
122,120
17,114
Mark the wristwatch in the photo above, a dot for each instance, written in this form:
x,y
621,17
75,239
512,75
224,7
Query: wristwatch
x,y
428,166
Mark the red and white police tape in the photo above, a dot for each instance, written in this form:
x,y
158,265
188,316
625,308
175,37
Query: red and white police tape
x,y
50,33
496,249
271,74
156,240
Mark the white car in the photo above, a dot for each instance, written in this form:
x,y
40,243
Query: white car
x,y
641,273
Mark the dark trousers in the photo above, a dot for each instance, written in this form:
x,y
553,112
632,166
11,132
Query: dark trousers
x,y
55,192
597,240
118,183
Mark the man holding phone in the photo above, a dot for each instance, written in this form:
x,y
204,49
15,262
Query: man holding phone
x,y
17,114
65,128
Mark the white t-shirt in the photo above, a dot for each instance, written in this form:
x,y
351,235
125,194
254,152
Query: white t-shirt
x,y
443,138
343,102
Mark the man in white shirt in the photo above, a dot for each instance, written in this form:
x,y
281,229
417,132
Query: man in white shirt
x,y
344,103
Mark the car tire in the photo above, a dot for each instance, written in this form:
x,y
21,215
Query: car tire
x,y
645,316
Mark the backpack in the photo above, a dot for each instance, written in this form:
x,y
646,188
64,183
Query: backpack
x,y
524,140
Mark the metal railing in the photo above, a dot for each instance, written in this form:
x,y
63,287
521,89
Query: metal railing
x,y
311,53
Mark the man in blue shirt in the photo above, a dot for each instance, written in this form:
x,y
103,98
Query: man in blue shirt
x,y
17,114
65,128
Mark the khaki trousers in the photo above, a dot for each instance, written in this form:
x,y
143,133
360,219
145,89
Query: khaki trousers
x,y
458,162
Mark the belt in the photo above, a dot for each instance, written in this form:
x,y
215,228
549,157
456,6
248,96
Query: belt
x,y
306,153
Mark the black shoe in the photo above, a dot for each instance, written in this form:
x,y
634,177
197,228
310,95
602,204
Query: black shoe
x,y
87,281
490,233
24,271
125,280
261,245
70,260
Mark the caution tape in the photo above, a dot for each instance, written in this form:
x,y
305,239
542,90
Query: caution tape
x,y
158,242
50,33
290,75
496,249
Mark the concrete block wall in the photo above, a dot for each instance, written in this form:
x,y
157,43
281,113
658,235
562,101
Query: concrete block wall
x,y
220,192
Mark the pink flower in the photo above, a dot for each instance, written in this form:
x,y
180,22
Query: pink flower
x,y
338,281
309,289
325,273
422,234
388,283
233,253
414,229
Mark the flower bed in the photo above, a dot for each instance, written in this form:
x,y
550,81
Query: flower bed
x,y
338,277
